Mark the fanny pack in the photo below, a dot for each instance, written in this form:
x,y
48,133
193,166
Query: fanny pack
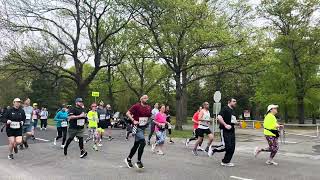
x,y
275,132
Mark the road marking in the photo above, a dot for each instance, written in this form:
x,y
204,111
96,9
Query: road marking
x,y
236,177
45,140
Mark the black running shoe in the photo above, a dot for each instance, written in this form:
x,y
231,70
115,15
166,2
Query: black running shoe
x,y
10,156
128,163
83,154
149,144
15,149
33,138
25,144
65,150
21,147
139,165
207,149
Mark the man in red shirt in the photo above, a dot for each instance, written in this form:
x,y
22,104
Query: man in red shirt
x,y
195,120
139,114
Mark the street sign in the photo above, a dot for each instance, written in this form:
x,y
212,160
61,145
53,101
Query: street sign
x,y
217,96
217,107
95,94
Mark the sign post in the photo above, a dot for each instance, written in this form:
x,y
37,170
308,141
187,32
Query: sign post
x,y
95,95
216,108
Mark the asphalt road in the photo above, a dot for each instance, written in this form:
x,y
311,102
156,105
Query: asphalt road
x,y
43,160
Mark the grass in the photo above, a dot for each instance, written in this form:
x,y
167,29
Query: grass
x,y
51,122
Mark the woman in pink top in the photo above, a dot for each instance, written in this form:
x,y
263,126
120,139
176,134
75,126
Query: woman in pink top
x,y
160,121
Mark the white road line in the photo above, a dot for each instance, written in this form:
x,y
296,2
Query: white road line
x,y
45,140
236,177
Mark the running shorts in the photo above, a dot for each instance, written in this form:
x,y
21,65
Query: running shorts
x,y
201,132
14,132
76,132
27,128
103,124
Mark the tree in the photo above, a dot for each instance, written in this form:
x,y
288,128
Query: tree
x,y
75,29
296,43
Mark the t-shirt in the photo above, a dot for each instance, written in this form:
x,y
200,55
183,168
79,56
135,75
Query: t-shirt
x,y
35,114
93,119
102,114
28,112
44,115
141,113
160,118
109,114
16,116
227,114
196,118
206,117
77,123
270,122
154,112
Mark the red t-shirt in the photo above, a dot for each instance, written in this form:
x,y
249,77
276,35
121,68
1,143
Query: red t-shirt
x,y
138,111
196,118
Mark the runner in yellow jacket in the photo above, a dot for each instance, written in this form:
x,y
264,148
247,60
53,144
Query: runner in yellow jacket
x,y
93,126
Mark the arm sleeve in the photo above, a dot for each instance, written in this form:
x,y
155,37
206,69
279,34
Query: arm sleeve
x,y
57,117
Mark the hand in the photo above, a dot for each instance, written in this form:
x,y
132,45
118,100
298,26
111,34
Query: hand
x,y
82,115
21,123
227,126
9,122
135,122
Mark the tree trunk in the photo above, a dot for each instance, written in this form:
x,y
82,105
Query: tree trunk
x,y
300,109
82,91
110,91
184,97
179,103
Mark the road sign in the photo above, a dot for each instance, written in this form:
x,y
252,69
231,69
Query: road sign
x,y
95,94
217,107
217,96
216,110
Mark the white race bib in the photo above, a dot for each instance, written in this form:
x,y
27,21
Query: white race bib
x,y
28,116
64,124
102,117
233,119
143,121
108,117
80,122
15,125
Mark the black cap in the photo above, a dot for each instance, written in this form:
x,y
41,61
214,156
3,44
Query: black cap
x,y
79,100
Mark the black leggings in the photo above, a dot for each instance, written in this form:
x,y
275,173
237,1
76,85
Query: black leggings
x,y
152,127
62,133
44,123
138,145
70,139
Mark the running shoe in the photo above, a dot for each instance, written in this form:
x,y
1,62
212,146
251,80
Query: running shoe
x,y
271,163
171,142
153,147
139,165
200,148
149,144
62,146
227,164
21,147
65,150
33,138
207,149
100,145
83,154
45,129
160,153
195,153
110,138
25,144
210,152
10,156
76,139
15,149
256,152
128,163
187,142
55,141
95,147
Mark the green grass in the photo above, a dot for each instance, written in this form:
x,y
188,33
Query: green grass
x,y
51,122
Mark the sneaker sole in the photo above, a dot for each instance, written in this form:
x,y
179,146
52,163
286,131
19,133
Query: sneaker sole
x,y
125,161
138,166
84,155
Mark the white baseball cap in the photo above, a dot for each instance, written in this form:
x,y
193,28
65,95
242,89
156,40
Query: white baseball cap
x,y
17,100
272,106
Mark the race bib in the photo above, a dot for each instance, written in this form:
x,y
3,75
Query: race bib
x,y
233,119
108,117
143,121
64,124
169,126
80,122
102,117
28,116
15,125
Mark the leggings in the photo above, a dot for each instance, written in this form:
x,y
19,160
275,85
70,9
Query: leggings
x,y
152,127
62,133
273,146
138,145
70,139
35,123
44,123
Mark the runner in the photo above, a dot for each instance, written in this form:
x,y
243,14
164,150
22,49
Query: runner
x,y
102,125
203,128
154,111
160,129
44,118
93,119
168,125
76,118
27,128
129,127
109,115
35,116
15,117
227,120
271,133
195,120
139,115
61,119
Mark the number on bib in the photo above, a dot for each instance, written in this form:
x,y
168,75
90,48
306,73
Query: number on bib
x,y
233,119
102,117
15,125
64,124
143,121
80,122
28,116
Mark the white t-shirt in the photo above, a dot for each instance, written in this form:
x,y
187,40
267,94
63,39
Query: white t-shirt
x,y
204,124
154,112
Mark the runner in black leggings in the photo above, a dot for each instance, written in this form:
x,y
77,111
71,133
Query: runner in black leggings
x,y
62,125
139,114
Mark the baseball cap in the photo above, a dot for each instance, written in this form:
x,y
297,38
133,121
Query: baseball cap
x,y
79,100
272,106
17,100
35,104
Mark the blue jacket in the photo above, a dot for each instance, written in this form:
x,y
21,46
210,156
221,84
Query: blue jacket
x,y
61,116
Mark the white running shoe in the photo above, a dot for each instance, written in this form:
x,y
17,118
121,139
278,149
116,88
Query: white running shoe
x,y
153,147
62,146
227,164
187,142
95,147
200,148
76,139
160,152
256,152
210,151
100,145
271,163
55,141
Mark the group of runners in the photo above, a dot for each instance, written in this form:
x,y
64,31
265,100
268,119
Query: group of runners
x,y
71,122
